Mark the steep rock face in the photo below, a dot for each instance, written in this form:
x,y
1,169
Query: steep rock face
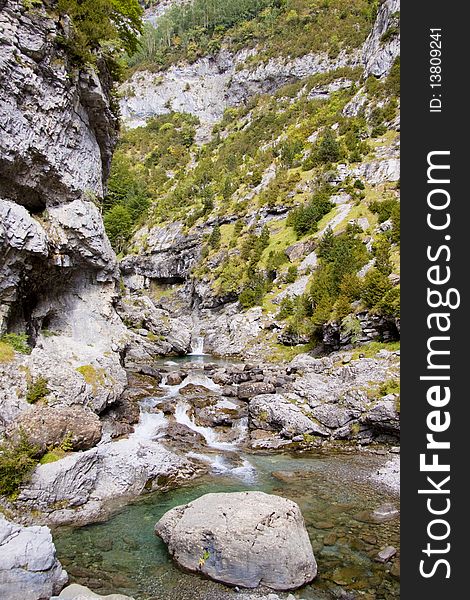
x,y
211,84
58,270
383,44
169,256
57,128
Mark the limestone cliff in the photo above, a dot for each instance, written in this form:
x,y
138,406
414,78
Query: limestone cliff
x,y
57,268
249,167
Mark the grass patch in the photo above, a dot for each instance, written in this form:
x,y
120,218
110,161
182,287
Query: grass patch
x,y
52,456
371,349
37,390
7,354
283,353
18,341
92,376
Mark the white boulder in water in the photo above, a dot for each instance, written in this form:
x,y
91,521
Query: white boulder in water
x,y
245,539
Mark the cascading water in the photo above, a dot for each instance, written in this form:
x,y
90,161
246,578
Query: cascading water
x,y
208,433
151,425
197,346
221,465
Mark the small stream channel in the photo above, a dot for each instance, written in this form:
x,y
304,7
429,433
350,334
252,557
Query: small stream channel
x,y
337,500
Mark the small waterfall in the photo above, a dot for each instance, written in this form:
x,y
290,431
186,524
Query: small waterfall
x,y
208,433
222,466
151,424
197,346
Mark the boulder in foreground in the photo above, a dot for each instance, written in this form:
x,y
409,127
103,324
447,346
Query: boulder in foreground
x,y
29,569
246,539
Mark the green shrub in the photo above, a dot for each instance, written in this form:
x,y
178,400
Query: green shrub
x,y
389,304
304,219
17,462
384,209
328,149
391,386
119,227
37,390
215,237
382,251
350,325
376,285
291,274
18,342
113,25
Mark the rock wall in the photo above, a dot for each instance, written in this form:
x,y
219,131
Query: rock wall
x,y
58,271
208,86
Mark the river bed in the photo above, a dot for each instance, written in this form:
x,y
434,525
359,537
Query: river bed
x,y
333,490
123,555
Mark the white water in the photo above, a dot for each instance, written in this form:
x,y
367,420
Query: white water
x,y
197,346
151,424
221,465
208,433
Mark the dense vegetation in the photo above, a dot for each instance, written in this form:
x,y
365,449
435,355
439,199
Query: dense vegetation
x,y
291,153
104,28
278,27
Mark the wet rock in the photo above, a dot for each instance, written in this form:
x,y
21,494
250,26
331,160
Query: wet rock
x,y
192,389
382,514
386,554
290,476
174,378
395,569
330,539
271,546
29,569
184,435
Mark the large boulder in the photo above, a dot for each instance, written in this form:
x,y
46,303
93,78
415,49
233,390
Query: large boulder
x,y
29,569
246,539
275,412
254,388
49,426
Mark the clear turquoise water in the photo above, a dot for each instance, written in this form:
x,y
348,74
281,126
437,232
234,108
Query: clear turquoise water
x,y
123,555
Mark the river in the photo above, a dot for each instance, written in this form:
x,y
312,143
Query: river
x,y
332,489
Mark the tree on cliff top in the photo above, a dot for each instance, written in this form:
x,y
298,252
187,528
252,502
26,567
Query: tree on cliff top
x,y
114,25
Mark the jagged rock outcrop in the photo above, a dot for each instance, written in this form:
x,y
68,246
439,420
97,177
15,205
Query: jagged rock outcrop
x,y
383,44
29,569
168,257
77,488
57,269
332,398
211,84
248,539
58,130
